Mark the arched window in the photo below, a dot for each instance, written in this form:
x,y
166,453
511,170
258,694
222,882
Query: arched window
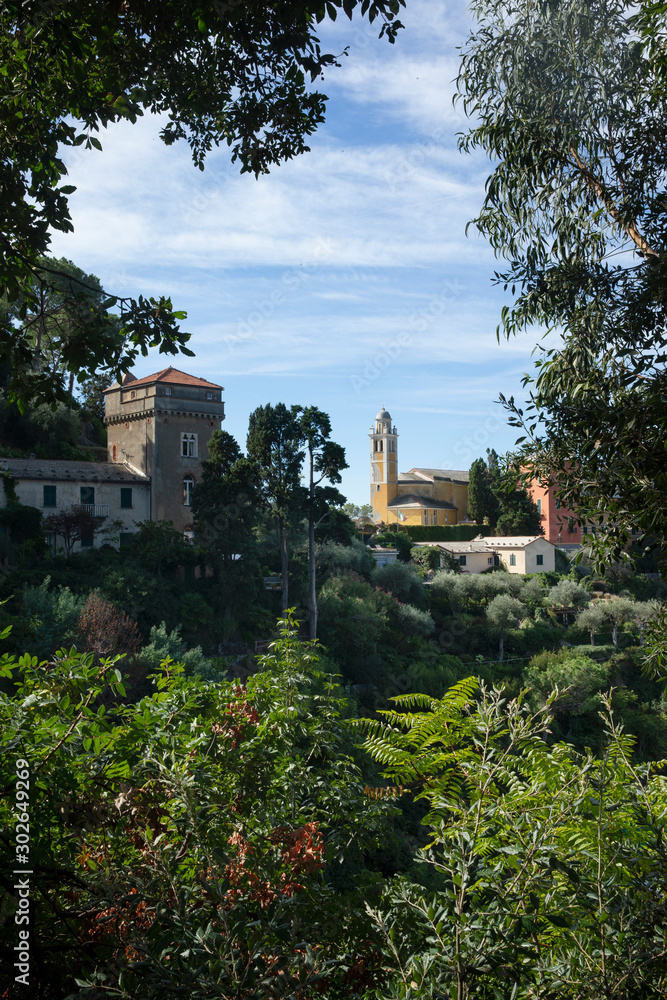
x,y
188,484
114,452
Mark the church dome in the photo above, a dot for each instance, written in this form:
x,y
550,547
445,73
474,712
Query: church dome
x,y
383,415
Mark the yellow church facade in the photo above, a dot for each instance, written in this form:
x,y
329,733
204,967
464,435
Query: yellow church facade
x,y
419,496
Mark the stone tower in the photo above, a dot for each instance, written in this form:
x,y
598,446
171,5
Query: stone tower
x,y
384,461
160,426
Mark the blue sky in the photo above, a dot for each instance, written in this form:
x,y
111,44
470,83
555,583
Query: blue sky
x,y
344,279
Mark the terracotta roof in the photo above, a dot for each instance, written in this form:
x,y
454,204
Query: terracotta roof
x,y
172,376
66,471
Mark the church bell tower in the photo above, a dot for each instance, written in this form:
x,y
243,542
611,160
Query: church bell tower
x,y
384,463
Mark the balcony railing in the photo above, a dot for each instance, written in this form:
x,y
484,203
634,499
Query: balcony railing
x,y
96,509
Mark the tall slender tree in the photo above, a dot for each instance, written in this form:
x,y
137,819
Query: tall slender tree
x,y
226,506
483,503
325,459
275,443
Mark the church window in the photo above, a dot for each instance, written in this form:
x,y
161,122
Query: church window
x,y
392,446
114,452
188,484
378,445
377,488
189,445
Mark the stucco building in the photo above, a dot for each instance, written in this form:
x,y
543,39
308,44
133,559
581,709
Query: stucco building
x,y
419,496
559,522
158,432
520,554
118,496
159,427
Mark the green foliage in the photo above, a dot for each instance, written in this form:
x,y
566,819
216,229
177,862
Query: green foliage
x,y
275,445
429,557
483,503
226,508
160,548
518,514
414,621
401,580
169,645
52,615
220,73
568,594
21,532
593,619
574,205
505,612
579,681
190,841
547,866
353,617
444,532
336,559
395,538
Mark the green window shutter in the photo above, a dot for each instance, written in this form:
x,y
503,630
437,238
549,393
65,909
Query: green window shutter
x,y
126,497
49,499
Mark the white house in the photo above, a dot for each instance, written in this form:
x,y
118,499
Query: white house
x,y
472,557
528,554
112,492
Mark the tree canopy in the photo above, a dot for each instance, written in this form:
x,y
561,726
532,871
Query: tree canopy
x,y
221,72
571,106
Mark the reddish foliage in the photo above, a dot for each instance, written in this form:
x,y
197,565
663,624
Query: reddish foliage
x,y
105,630
302,852
239,716
120,921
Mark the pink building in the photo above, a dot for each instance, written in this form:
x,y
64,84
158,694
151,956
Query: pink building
x,y
559,522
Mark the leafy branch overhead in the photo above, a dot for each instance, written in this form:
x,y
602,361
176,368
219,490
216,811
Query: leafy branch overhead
x,y
570,102
223,72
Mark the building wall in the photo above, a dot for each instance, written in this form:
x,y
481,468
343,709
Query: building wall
x,y
475,562
556,521
31,494
145,431
526,556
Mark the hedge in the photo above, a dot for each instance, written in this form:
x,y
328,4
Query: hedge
x,y
445,532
